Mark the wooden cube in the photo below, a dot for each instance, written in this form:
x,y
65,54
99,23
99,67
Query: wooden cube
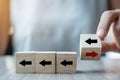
x,y
45,62
90,47
66,62
25,62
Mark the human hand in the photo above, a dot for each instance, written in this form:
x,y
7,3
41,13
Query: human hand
x,y
109,19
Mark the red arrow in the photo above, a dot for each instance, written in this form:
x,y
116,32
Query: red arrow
x,y
93,54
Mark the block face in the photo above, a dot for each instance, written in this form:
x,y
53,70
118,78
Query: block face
x,y
90,47
85,54
89,40
66,62
45,62
25,62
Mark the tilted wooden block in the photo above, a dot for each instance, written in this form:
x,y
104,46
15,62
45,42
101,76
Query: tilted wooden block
x,y
25,62
90,47
66,62
45,62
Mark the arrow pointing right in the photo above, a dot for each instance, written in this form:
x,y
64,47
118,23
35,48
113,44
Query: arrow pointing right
x,y
93,54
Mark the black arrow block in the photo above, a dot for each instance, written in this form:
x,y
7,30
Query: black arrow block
x,y
65,63
24,63
90,41
45,63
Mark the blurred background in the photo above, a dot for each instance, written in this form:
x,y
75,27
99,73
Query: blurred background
x,y
96,8
9,49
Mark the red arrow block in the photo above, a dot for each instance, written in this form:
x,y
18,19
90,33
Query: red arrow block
x,y
93,54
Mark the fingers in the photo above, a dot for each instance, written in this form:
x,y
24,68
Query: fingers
x,y
106,19
110,46
116,31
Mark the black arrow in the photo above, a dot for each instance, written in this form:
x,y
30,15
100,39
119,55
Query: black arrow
x,y
45,63
24,63
89,41
65,63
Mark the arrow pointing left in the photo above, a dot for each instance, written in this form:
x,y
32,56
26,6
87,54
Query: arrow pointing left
x,y
65,62
43,63
91,41
24,63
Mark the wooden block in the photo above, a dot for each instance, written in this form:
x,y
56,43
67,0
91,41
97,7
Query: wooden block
x,y
45,62
25,62
90,47
66,62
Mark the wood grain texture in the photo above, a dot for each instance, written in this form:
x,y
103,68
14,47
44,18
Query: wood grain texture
x,y
61,62
27,56
45,57
86,48
104,69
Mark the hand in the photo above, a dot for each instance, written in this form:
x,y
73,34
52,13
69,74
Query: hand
x,y
109,19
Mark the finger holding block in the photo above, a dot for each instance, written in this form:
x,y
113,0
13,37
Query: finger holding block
x,y
90,47
66,62
25,62
45,62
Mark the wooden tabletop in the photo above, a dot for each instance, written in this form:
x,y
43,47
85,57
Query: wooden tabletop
x,y
104,69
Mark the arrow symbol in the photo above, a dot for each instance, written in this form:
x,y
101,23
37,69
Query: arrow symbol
x,y
89,41
24,63
65,63
45,63
93,54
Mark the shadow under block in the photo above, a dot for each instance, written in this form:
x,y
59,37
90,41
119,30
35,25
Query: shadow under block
x,y
90,47
25,62
66,62
45,62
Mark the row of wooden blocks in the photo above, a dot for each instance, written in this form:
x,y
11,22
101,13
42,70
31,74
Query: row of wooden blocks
x,y
46,62
59,62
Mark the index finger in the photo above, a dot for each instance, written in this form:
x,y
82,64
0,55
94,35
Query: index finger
x,y
106,19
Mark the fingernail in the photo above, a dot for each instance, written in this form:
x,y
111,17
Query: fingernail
x,y
101,32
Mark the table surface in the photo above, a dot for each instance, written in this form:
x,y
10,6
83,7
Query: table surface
x,y
104,69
